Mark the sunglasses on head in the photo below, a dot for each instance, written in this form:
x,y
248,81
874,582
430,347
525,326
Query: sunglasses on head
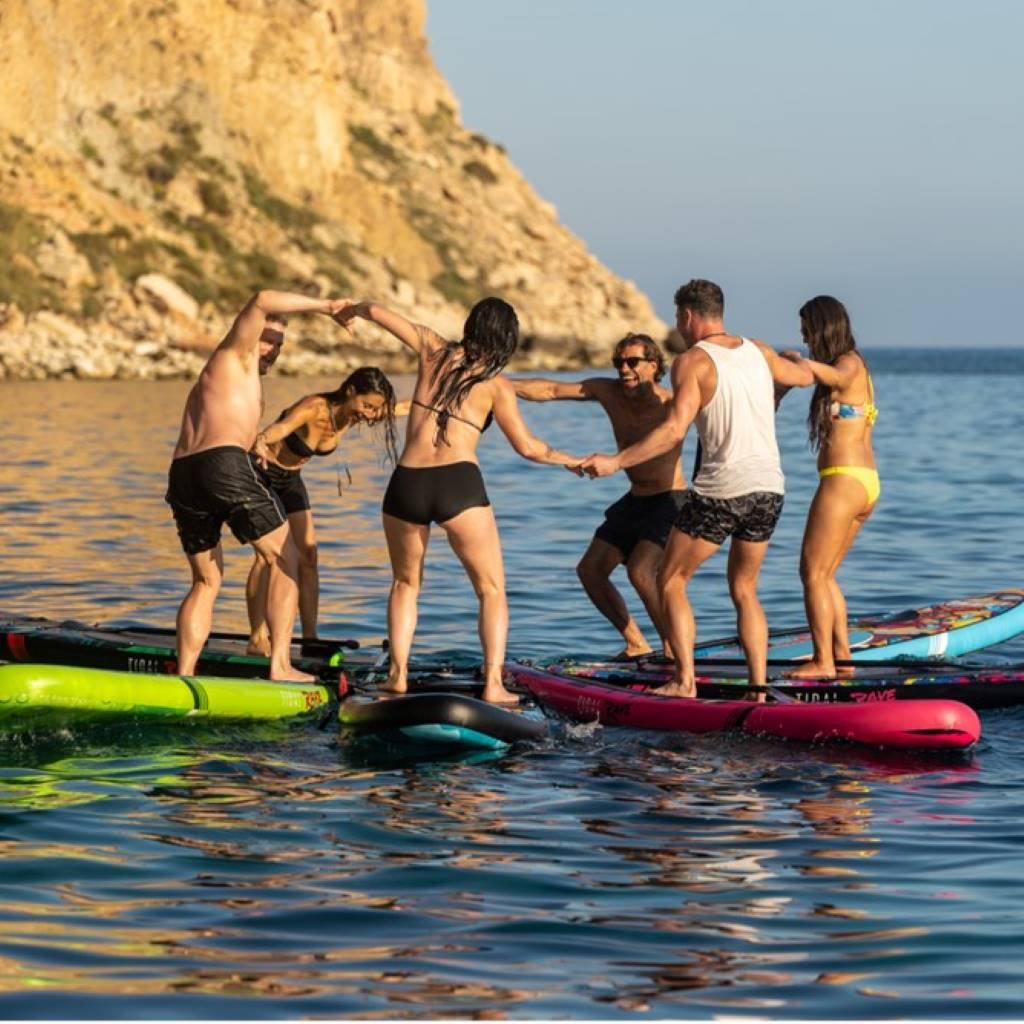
x,y
631,361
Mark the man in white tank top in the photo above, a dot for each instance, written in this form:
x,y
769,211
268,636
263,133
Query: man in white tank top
x,y
726,384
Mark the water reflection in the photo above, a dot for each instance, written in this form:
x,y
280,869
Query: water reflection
x,y
195,872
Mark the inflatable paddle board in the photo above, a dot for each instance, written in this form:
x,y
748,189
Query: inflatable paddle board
x,y
948,629
906,725
977,685
126,650
439,719
58,696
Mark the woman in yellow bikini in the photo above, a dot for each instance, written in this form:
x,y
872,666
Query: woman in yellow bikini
x,y
840,421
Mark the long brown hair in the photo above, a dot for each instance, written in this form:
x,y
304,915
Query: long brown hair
x,y
827,331
368,380
489,339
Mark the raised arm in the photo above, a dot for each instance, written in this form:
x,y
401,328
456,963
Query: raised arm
x,y
539,389
415,336
785,371
840,376
508,417
243,336
685,405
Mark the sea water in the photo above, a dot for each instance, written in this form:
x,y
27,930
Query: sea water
x,y
273,872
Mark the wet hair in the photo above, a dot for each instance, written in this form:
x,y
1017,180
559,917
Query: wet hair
x,y
368,380
827,331
277,318
704,297
652,351
489,339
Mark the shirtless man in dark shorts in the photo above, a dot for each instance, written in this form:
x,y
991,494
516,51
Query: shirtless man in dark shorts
x,y
211,480
637,526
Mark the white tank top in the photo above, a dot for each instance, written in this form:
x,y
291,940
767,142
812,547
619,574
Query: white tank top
x,y
739,453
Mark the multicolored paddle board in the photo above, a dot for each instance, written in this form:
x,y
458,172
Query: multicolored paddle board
x,y
948,629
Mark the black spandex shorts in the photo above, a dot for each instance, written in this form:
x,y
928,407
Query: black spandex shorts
x,y
750,517
434,494
287,484
219,486
633,519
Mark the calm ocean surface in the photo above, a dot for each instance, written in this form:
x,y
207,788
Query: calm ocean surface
x,y
255,873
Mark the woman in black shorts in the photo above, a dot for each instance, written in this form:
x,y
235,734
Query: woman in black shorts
x,y
459,389
312,427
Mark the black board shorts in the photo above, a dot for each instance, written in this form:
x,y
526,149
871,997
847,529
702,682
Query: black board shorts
x,y
218,486
287,484
634,518
434,494
749,517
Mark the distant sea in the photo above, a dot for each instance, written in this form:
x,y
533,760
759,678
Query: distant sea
x,y
280,873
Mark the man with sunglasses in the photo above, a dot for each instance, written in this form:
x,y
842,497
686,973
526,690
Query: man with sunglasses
x,y
727,385
636,526
211,480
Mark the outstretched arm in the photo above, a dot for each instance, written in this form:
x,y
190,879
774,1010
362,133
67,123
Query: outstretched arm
x,y
508,417
685,405
244,335
785,371
538,389
840,376
415,336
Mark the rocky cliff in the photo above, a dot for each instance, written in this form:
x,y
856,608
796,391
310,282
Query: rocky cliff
x,y
160,159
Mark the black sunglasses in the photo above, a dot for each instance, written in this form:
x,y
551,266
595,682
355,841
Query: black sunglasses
x,y
631,361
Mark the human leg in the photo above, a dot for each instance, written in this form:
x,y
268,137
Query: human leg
x,y
642,569
407,548
195,615
280,552
599,561
256,606
473,536
684,554
829,532
304,535
744,566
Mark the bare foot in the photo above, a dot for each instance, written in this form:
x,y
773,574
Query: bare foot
x,y
496,693
756,696
812,670
259,648
396,684
630,652
288,674
845,671
675,689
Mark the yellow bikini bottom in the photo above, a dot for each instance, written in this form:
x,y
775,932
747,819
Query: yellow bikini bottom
x,y
865,474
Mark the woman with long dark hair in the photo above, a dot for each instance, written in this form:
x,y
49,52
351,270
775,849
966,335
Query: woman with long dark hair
x,y
459,389
311,427
842,414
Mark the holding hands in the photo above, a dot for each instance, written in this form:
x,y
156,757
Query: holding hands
x,y
597,465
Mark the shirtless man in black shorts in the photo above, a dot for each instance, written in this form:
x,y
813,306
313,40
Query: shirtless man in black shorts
x,y
637,526
211,480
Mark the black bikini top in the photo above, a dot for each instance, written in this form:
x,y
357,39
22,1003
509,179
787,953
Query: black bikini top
x,y
442,415
298,447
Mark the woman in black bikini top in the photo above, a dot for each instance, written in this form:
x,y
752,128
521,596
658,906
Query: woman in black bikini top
x,y
459,388
311,427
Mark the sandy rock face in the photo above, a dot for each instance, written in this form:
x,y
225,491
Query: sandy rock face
x,y
161,161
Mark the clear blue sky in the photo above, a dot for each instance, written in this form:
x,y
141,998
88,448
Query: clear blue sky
x,y
873,150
